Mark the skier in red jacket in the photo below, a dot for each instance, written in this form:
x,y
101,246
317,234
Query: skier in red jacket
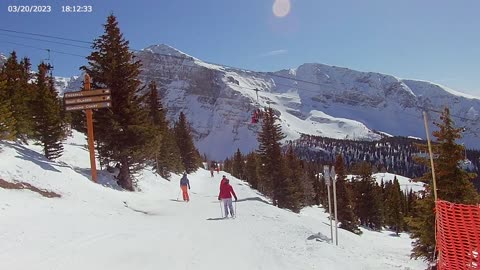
x,y
223,180
226,192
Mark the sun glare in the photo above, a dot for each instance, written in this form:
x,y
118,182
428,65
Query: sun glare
x,y
281,8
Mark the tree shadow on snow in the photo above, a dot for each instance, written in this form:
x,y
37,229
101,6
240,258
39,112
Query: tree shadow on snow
x,y
83,146
34,157
103,178
258,199
83,171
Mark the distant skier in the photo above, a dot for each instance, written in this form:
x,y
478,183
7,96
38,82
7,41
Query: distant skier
x,y
218,168
226,192
184,183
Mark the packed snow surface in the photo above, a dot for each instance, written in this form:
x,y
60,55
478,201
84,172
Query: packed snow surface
x,y
99,226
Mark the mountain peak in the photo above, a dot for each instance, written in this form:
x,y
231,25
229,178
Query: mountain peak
x,y
167,50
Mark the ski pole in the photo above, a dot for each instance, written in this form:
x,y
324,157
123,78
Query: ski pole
x,y
221,211
236,213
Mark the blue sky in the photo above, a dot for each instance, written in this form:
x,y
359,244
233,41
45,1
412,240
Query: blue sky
x,y
430,40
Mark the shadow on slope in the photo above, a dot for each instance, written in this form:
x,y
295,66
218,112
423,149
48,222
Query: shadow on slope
x,y
258,199
177,200
220,218
137,210
319,237
104,178
34,157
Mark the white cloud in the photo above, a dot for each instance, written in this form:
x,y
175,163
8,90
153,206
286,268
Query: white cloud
x,y
274,53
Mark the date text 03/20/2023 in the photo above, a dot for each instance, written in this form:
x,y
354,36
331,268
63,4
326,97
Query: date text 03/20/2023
x,y
49,8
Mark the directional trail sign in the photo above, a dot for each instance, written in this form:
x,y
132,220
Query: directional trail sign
x,y
87,106
97,92
91,99
88,100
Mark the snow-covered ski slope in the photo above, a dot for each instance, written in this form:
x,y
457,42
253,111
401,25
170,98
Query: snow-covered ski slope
x,y
95,226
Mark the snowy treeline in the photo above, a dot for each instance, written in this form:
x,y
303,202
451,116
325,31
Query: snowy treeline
x,y
391,154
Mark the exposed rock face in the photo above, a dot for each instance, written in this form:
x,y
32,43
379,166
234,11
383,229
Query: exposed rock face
x,y
321,100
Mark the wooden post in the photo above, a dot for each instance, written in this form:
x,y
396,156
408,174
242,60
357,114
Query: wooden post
x,y
434,180
91,147
431,157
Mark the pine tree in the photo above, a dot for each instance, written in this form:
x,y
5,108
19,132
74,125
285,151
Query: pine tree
x,y
368,198
345,208
123,132
78,121
393,204
453,185
410,205
273,171
7,121
155,108
251,170
411,199
20,95
385,186
167,155
157,119
321,193
238,165
377,218
189,154
171,153
49,127
309,183
227,165
294,180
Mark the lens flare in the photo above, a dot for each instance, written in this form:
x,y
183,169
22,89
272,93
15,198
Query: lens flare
x,y
281,8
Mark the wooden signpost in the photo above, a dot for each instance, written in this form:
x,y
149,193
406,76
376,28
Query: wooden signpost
x,y
87,100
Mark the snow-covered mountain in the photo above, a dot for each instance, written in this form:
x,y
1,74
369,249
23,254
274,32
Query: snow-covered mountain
x,y
61,83
314,99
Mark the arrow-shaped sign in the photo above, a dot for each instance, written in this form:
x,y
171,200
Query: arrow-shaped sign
x,y
88,93
88,106
92,99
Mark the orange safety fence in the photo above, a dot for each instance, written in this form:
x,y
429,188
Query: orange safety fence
x,y
458,236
